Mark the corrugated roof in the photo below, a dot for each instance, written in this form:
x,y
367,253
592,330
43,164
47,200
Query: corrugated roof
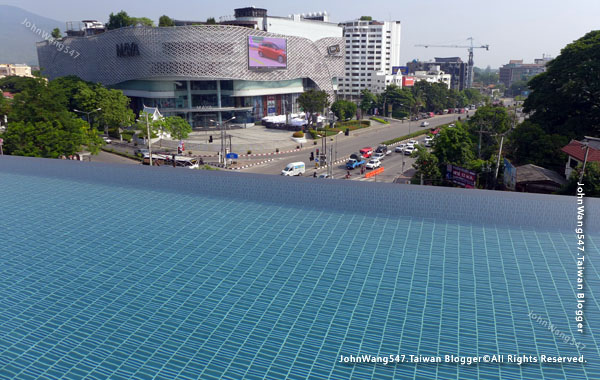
x,y
534,173
576,149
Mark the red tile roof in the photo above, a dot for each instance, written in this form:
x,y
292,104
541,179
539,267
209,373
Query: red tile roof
x,y
576,150
7,94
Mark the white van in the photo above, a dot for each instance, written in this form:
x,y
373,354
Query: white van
x,y
295,168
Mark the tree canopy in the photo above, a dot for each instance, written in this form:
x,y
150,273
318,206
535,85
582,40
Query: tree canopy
x,y
165,20
454,146
566,98
343,109
178,127
122,19
591,180
313,101
426,165
40,125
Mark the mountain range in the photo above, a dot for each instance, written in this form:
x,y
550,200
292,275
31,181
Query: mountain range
x,y
17,41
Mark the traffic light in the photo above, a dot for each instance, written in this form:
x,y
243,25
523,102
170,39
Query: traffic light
x,y
347,132
312,156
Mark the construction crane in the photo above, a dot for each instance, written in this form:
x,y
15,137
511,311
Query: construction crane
x,y
470,49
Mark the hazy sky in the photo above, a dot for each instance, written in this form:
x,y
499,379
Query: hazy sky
x,y
514,29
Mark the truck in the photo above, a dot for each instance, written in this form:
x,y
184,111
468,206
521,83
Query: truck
x,y
353,163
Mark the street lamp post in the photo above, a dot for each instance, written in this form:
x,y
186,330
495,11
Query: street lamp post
x,y
223,137
87,115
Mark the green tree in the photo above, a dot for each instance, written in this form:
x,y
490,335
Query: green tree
x,y
49,139
367,102
518,87
4,108
40,124
486,77
343,109
529,144
487,123
56,33
472,95
401,100
119,20
591,180
178,127
366,18
566,98
426,165
211,21
453,146
145,21
312,102
146,121
165,20
15,84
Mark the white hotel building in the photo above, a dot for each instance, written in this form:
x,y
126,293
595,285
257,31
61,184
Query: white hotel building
x,y
371,47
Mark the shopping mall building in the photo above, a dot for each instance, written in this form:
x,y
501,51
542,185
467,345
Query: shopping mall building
x,y
207,72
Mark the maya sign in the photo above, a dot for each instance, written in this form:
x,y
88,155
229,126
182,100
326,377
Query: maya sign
x,y
127,49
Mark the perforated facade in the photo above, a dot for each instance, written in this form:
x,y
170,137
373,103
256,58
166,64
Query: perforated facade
x,y
174,56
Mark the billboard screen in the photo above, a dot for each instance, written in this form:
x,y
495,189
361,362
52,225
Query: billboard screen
x,y
461,176
267,53
408,81
402,69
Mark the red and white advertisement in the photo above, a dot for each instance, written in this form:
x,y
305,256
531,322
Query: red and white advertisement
x,y
408,81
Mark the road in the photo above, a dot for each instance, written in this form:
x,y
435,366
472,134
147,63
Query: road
x,y
346,145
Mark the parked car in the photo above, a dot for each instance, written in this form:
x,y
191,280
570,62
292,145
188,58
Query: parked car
x,y
294,168
400,148
141,152
413,142
270,50
378,156
408,150
374,163
107,140
451,126
424,124
366,152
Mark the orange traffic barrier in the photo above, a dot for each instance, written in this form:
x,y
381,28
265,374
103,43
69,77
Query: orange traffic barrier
x,y
374,172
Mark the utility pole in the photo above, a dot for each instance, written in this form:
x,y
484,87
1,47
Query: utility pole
x,y
149,139
498,163
585,157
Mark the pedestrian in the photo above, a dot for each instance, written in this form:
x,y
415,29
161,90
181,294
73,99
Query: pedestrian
x,y
315,174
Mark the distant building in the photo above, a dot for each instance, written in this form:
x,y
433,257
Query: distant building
x,y
314,25
453,66
208,73
434,75
84,28
516,70
19,69
576,152
371,47
535,179
380,80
